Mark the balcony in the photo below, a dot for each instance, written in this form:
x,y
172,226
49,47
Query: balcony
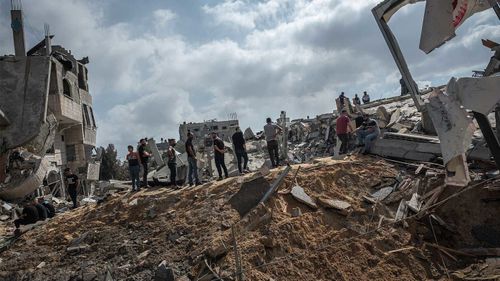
x,y
65,109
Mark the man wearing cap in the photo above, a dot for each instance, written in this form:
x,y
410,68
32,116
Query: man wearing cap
x,y
343,129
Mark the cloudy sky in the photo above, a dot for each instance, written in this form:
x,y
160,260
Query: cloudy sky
x,y
157,63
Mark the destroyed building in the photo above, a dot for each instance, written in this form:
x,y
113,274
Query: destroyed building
x,y
47,117
224,129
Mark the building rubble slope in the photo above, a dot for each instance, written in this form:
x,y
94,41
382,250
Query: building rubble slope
x,y
422,206
347,230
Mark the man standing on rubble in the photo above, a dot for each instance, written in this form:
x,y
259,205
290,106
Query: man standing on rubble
x,y
367,133
72,182
240,149
134,168
219,150
172,162
144,155
356,100
404,89
192,161
342,100
366,98
271,131
343,129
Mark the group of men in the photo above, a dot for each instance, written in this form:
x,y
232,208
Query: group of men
x,y
355,100
367,131
36,210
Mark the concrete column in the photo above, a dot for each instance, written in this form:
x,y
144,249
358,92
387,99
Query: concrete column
x,y
18,32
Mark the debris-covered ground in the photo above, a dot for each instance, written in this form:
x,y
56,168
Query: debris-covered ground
x,y
128,235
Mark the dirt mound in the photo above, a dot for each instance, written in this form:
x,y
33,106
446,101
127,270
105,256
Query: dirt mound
x,y
130,234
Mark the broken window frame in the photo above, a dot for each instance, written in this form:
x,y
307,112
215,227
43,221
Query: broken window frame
x,y
67,88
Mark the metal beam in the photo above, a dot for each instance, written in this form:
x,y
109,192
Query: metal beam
x,y
392,43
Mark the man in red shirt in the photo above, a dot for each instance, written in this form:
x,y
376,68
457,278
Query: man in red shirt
x,y
343,129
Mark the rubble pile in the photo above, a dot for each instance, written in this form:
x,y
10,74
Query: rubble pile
x,y
337,216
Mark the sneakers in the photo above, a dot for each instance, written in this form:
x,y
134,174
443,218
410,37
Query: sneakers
x,y
219,178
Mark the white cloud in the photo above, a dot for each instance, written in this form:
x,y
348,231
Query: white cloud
x,y
163,16
291,55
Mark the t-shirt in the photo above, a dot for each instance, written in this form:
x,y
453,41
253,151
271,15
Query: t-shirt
x,y
72,181
30,214
42,212
342,124
270,131
372,123
357,101
189,144
366,98
133,159
142,155
220,144
172,159
238,141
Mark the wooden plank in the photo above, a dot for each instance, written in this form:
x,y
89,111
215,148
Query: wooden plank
x,y
399,250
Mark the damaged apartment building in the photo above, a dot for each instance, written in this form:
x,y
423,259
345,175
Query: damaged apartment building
x,y
46,117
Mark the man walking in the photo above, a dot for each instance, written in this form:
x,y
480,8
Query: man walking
x,y
219,156
343,129
144,157
240,149
72,182
172,162
134,168
368,134
192,161
271,131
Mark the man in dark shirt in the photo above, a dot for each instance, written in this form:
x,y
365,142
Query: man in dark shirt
x,y
192,161
172,162
219,155
29,216
240,149
42,212
72,182
356,100
51,211
144,155
342,100
134,168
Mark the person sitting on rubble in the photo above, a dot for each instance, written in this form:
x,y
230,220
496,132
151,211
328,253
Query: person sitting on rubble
x,y
72,183
342,100
366,97
219,150
28,216
343,129
172,162
271,131
144,157
367,134
134,168
356,100
240,150
51,211
43,213
192,161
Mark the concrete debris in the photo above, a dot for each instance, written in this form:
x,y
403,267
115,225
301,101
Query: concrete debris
x,y
296,212
342,207
300,195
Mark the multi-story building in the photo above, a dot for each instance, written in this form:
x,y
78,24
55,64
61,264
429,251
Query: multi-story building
x,y
46,118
